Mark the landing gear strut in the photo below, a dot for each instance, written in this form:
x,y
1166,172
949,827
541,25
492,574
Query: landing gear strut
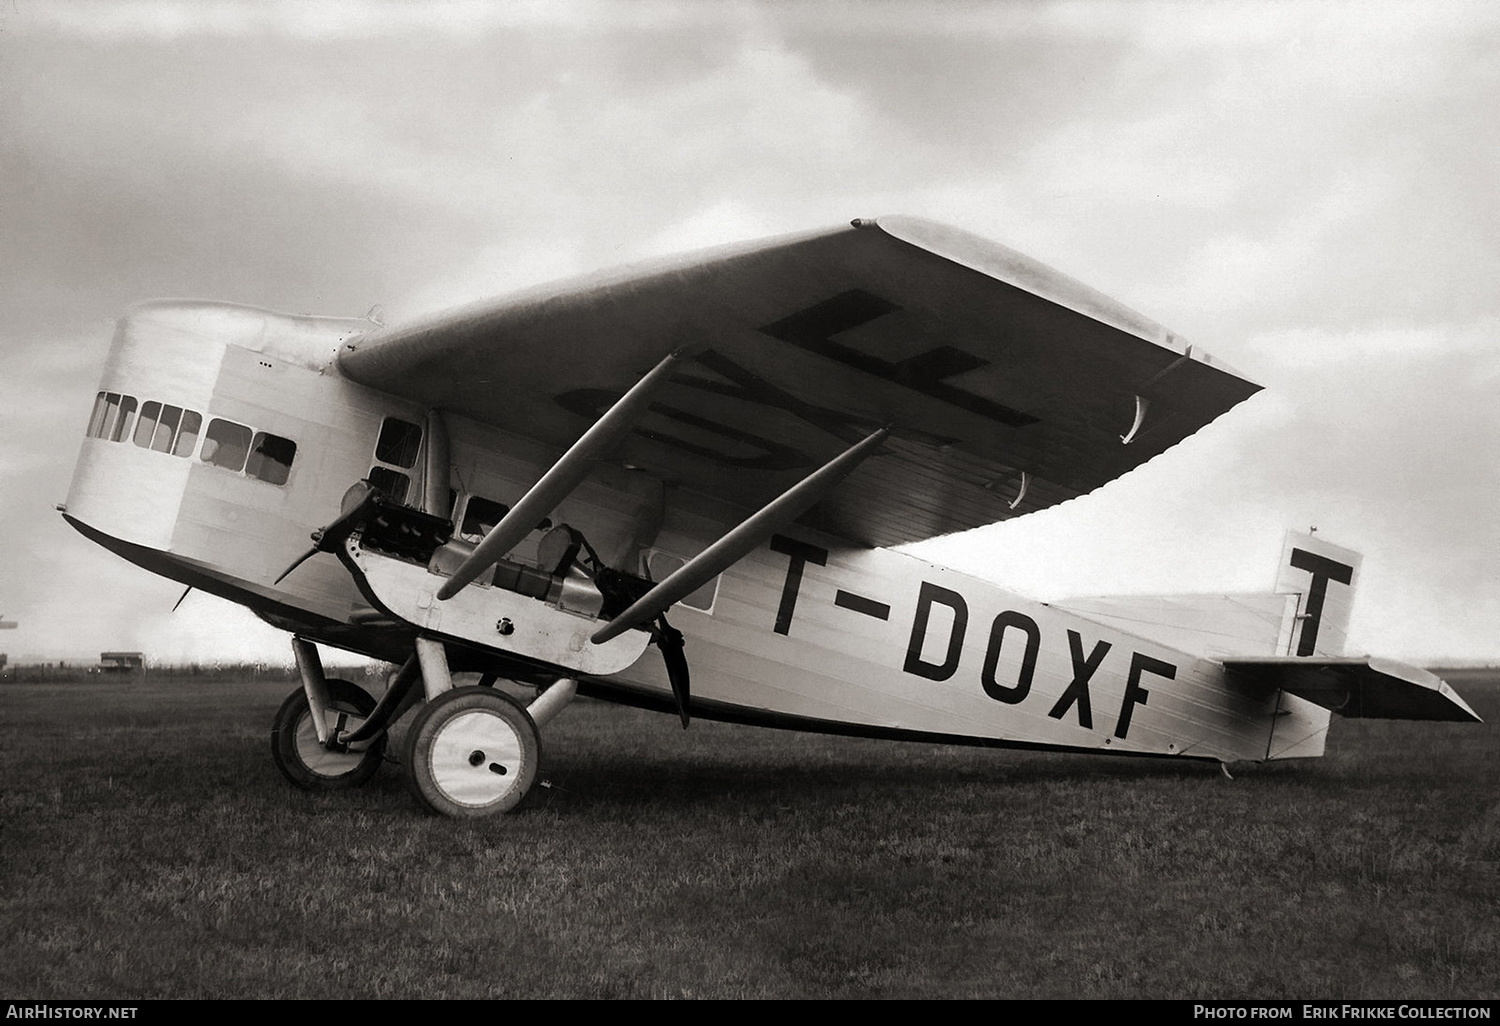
x,y
470,752
309,764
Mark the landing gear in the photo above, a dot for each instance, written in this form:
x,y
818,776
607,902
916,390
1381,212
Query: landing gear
x,y
472,752
307,763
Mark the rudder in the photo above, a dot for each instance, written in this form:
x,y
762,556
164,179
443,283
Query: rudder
x,y
1323,576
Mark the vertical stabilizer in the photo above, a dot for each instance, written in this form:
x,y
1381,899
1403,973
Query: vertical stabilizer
x,y
1322,577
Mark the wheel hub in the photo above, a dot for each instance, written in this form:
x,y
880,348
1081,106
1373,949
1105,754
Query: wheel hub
x,y
474,756
472,751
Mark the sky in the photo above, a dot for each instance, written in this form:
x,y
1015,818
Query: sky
x,y
1305,190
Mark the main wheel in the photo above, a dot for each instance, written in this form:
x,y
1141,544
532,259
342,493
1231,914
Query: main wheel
x,y
472,752
306,763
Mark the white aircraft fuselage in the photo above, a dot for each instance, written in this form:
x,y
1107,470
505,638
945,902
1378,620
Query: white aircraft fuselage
x,y
223,435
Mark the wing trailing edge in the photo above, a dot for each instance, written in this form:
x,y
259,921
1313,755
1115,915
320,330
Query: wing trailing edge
x,y
1358,688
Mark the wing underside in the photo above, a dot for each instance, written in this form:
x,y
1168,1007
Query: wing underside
x,y
1007,387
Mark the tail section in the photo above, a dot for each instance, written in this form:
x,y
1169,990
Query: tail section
x,y
1290,644
1306,614
1322,578
1311,668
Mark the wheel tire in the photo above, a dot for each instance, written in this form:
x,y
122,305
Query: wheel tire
x,y
294,740
472,752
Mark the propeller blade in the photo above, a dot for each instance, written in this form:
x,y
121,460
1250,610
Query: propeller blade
x,y
669,640
309,554
358,502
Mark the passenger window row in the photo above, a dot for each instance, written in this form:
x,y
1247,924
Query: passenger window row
x,y
172,429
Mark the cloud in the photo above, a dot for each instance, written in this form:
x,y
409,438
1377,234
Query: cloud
x,y
728,220
331,20
1303,190
496,270
1405,412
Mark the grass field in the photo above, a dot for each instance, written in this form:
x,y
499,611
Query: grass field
x,y
149,849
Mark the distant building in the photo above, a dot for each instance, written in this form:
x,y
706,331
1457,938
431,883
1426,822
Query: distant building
x,y
121,662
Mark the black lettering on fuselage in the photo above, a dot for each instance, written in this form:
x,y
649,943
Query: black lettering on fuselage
x,y
933,593
1011,685
1083,670
1323,570
860,604
1011,694
1135,694
801,554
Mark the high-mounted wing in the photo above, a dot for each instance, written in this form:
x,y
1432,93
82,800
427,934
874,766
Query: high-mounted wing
x,y
1007,387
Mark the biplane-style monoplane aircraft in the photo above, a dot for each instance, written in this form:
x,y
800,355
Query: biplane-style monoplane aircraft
x,y
527,488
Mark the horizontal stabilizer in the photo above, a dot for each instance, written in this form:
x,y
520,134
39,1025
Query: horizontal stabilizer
x,y
1365,688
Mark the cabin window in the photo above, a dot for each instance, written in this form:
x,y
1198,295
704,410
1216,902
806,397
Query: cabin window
x,y
145,427
226,445
480,515
112,417
160,426
270,458
661,565
187,433
100,415
127,417
258,454
398,443
393,484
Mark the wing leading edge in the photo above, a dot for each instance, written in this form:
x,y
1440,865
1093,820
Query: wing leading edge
x,y
1007,386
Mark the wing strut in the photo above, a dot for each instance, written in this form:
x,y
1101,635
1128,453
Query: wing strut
x,y
564,476
735,545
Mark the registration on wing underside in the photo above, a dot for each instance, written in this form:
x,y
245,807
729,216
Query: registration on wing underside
x,y
1002,398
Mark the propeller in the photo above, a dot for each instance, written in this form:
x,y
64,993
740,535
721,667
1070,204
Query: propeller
x,y
669,640
357,503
